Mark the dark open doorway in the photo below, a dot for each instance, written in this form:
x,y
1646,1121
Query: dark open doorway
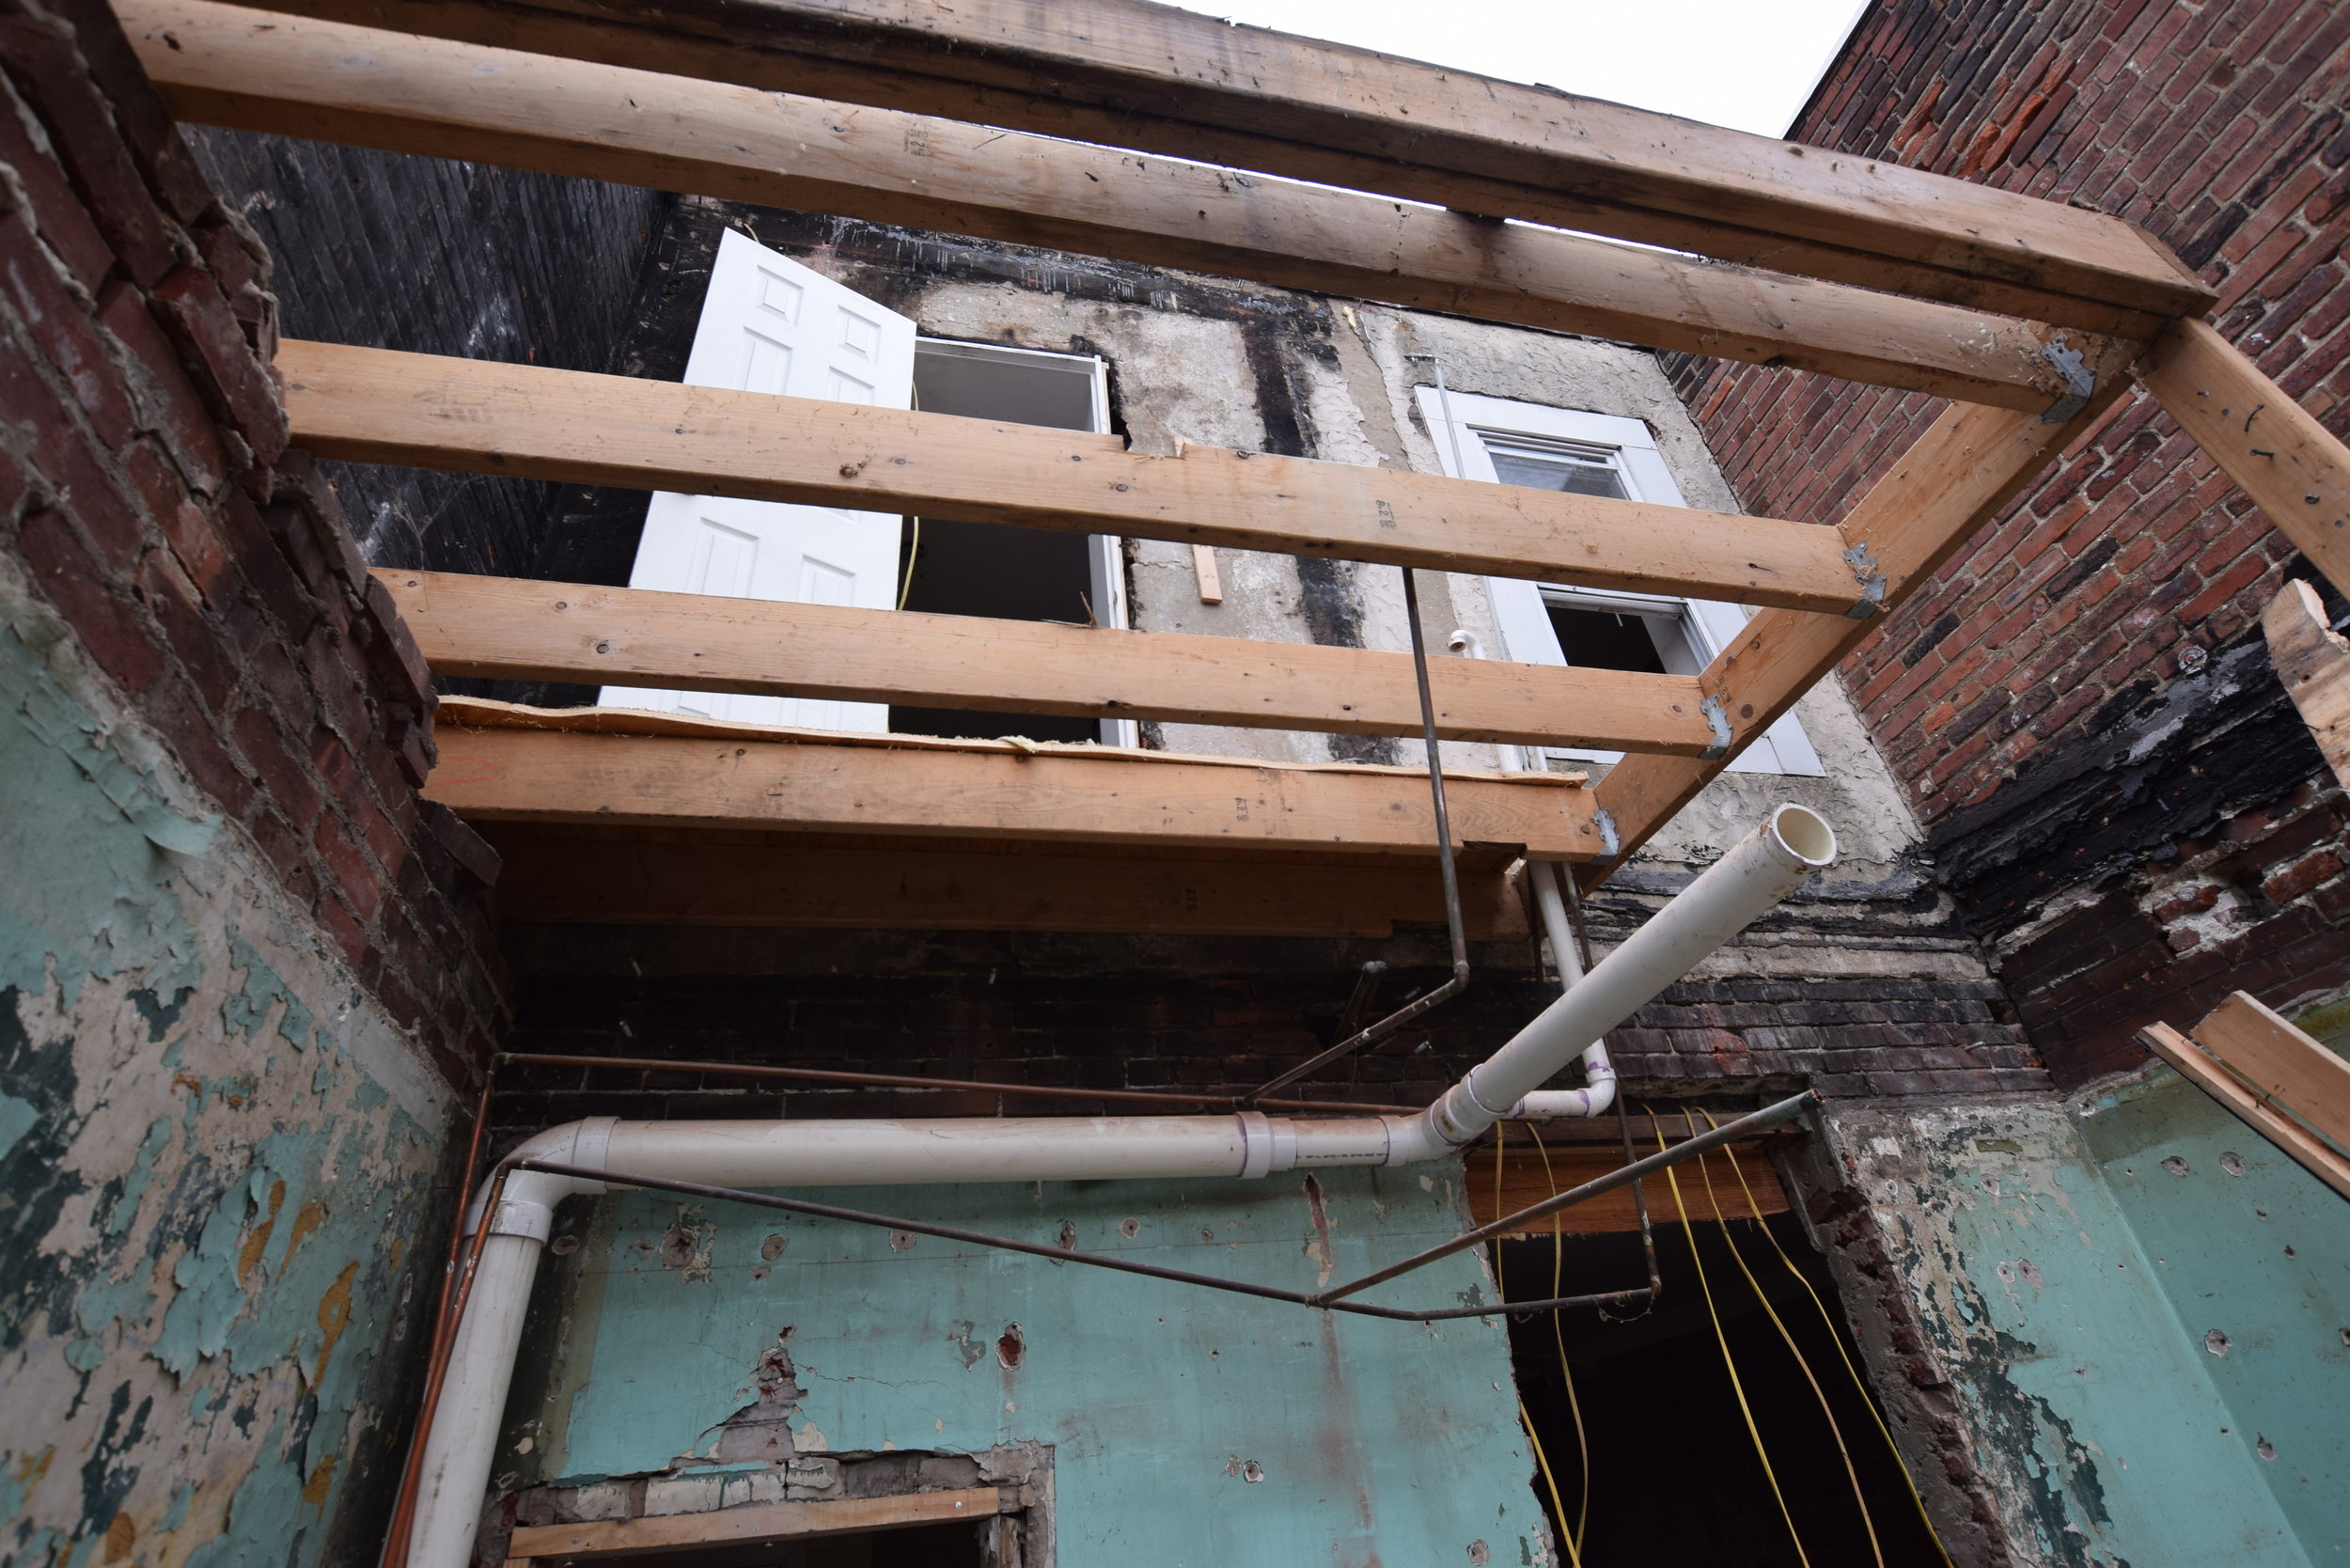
x,y
1675,1479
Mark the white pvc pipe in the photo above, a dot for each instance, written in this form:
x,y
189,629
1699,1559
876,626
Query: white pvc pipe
x,y
1599,1073
1755,873
461,1449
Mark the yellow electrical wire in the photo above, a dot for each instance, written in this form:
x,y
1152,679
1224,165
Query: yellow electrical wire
x,y
1867,1523
1574,1405
1526,1419
1673,1180
1837,1339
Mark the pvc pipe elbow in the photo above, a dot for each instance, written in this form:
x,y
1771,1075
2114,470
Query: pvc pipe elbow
x,y
526,1204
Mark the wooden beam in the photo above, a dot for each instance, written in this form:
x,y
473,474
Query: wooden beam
x,y
475,416
1128,73
2313,661
740,777
1526,1180
1957,476
552,875
2294,467
538,630
757,1522
2198,1069
254,70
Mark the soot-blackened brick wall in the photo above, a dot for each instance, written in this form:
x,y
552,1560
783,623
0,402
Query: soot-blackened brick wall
x,y
2079,705
434,255
149,491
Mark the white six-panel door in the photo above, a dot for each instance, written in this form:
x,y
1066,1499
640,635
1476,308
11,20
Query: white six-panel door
x,y
770,324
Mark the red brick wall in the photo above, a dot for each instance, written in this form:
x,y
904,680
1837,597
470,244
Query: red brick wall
x,y
146,489
2124,580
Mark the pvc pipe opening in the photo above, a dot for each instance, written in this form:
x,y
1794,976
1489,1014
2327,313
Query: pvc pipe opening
x,y
1803,835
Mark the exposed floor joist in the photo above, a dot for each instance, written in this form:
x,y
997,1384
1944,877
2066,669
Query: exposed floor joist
x,y
558,875
1954,478
2292,466
474,417
575,632
1127,73
258,71
737,777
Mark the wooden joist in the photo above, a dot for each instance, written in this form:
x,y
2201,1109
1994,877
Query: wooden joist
x,y
1128,73
558,875
752,1525
1528,1175
475,416
2276,1079
256,70
1954,478
2273,447
538,630
742,777
2313,661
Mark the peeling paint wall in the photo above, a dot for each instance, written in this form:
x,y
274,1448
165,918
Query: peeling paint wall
x,y
1187,1426
2125,1324
217,1163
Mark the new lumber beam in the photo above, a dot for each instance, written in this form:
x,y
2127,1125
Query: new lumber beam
x,y
258,71
549,875
474,417
1955,477
1129,74
2203,1060
2313,661
2292,466
538,630
1528,1175
755,1523
842,784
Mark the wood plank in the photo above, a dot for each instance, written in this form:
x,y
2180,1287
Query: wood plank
x,y
1957,476
1128,73
538,630
427,411
2295,469
223,65
757,1522
1524,1182
2287,1070
2313,661
550,877
2214,1080
842,784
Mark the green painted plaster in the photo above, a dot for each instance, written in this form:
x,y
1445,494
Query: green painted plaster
x,y
216,1162
1376,1442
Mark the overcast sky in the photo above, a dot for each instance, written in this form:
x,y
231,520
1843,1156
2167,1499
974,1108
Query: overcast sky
x,y
1748,64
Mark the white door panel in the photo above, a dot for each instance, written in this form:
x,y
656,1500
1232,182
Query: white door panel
x,y
769,325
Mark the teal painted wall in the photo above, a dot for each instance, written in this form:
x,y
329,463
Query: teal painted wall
x,y
2253,1255
2062,1282
1188,1427
216,1162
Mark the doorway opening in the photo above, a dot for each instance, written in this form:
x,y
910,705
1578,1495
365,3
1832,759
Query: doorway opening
x,y
946,566
1674,1478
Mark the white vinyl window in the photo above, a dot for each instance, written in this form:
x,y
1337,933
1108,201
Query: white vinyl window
x,y
1553,623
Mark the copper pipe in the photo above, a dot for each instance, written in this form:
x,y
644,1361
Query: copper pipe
x,y
444,1333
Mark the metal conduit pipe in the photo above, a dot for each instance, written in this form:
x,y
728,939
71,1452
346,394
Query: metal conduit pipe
x,y
460,1447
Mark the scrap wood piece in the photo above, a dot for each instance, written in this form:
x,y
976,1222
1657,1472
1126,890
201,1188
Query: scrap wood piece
x,y
2313,661
758,1522
2272,1077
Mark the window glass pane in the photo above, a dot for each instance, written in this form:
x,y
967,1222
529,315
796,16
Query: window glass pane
x,y
1568,472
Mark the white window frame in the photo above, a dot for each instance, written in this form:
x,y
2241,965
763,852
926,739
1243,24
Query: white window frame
x,y
1460,422
1105,555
